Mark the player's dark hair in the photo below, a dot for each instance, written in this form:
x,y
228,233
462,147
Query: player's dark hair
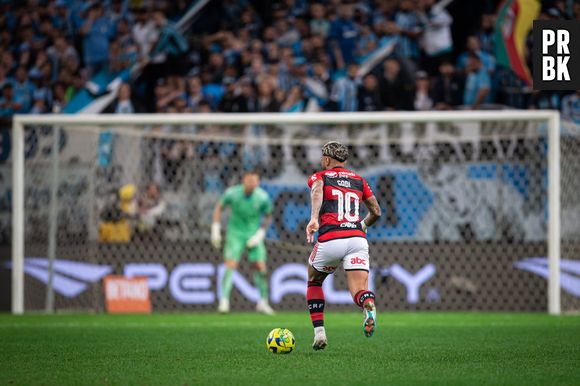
x,y
336,151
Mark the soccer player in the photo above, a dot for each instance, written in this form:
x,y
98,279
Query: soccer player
x,y
336,193
251,213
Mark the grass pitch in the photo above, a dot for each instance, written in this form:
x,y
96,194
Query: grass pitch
x,y
210,349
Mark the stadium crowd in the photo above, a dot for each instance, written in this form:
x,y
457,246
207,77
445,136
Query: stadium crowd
x,y
261,56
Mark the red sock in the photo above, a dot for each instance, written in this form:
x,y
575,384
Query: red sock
x,y
315,298
363,297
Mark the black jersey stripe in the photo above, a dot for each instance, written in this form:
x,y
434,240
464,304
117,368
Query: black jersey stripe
x,y
337,227
329,206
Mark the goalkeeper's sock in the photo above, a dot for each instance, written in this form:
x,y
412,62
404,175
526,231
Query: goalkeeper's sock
x,y
315,298
261,284
226,284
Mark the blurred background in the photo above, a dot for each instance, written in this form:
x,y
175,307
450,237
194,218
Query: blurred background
x,y
269,56
141,203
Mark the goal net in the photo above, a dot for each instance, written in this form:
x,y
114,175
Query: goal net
x,y
474,215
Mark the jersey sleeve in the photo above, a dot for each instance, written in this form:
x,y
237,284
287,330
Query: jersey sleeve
x,y
367,191
267,205
226,198
312,178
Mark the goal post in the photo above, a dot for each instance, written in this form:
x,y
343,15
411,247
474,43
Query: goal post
x,y
554,305
547,126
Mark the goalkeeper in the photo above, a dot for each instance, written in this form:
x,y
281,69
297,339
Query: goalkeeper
x,y
251,214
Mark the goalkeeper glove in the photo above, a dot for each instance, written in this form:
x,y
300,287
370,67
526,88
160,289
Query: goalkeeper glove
x,y
364,226
216,235
256,238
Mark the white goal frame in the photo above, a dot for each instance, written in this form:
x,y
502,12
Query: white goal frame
x,y
552,118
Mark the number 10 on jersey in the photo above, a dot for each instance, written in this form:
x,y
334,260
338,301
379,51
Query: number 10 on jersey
x,y
345,202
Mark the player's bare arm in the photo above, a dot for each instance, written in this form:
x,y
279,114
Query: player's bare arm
x,y
316,195
374,211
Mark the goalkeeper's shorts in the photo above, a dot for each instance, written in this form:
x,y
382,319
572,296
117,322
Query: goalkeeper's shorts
x,y
236,244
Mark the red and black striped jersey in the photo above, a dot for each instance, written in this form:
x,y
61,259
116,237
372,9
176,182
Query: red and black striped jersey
x,y
340,212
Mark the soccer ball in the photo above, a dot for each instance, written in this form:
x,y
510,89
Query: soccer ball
x,y
280,341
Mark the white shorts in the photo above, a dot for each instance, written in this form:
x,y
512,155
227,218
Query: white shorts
x,y
353,252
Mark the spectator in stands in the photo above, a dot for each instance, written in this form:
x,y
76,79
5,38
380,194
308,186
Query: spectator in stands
x,y
477,83
423,100
7,61
9,103
216,67
396,87
510,89
251,22
409,30
248,93
61,18
59,97
387,33
3,76
204,107
42,58
343,96
436,38
171,45
286,78
559,10
571,107
296,8
123,103
474,47
343,36
151,207
41,89
319,25
321,74
174,154
369,97
232,101
38,106
384,11
288,36
23,89
448,87
294,103
117,61
366,44
61,51
486,33
97,30
193,93
546,100
267,102
144,31
256,68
